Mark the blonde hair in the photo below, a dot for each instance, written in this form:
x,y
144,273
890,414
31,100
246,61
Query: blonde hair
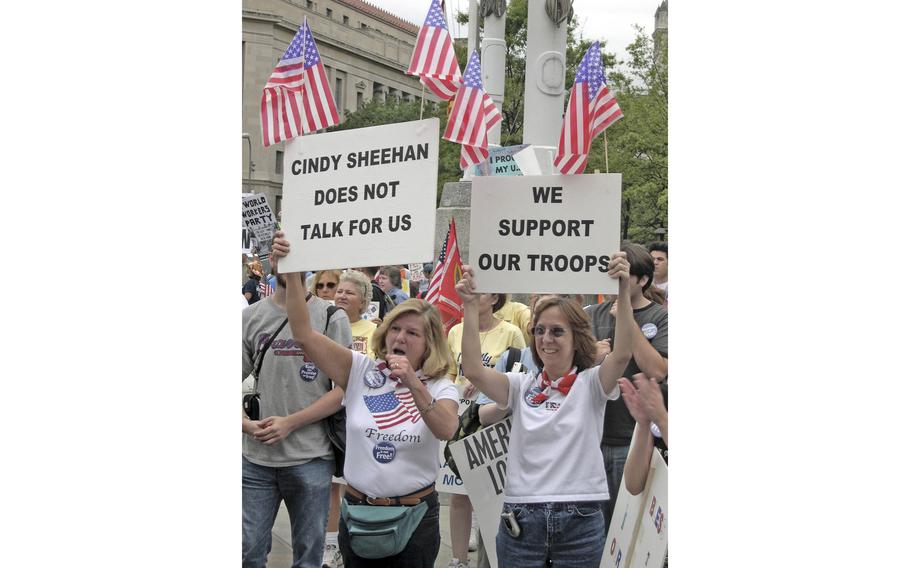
x,y
437,357
363,285
336,274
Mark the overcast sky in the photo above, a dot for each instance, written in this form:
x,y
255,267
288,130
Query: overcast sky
x,y
610,20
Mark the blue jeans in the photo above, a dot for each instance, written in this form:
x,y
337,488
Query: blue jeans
x,y
305,491
420,552
568,535
614,462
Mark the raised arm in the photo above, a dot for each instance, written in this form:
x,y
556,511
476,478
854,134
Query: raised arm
x,y
613,365
645,404
331,358
490,381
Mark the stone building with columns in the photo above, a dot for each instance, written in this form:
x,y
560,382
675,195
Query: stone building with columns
x,y
365,51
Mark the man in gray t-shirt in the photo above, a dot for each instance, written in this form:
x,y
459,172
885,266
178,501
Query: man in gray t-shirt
x,y
286,454
649,355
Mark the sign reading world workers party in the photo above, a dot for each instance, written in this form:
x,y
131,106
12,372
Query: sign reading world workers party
x,y
361,197
545,233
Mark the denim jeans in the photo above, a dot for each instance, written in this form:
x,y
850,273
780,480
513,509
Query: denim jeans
x,y
420,552
305,491
614,462
568,535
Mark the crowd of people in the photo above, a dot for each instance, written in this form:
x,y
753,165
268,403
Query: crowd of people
x,y
355,339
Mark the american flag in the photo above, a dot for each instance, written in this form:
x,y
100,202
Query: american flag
x,y
296,99
473,115
592,108
434,59
265,289
392,408
441,291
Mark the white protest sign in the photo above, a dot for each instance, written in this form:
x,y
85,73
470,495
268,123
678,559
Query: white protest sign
x,y
554,233
361,197
481,460
258,218
651,542
638,530
446,480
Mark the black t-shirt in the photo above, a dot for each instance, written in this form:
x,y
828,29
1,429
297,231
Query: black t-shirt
x,y
252,286
653,321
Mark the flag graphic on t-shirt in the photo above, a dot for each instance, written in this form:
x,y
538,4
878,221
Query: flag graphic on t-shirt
x,y
392,408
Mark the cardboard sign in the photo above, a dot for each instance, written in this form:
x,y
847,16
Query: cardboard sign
x,y
447,481
638,530
258,218
554,233
481,460
362,197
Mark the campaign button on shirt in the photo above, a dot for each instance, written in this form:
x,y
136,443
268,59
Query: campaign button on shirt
x,y
530,394
649,330
308,371
384,452
374,379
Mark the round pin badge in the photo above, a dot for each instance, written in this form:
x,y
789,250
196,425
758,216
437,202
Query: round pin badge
x,y
374,379
649,330
530,394
384,452
308,371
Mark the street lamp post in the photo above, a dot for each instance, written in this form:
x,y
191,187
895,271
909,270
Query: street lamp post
x,y
249,168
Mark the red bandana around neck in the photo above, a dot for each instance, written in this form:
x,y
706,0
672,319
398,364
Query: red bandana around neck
x,y
564,386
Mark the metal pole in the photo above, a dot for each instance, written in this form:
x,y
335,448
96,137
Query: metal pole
x,y
249,161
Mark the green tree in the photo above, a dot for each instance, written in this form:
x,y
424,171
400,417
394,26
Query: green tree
x,y
637,143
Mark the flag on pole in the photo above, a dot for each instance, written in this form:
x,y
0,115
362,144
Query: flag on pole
x,y
592,108
441,290
296,100
473,114
434,59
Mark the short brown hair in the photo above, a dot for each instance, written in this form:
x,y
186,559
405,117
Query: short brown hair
x,y
640,262
437,358
580,324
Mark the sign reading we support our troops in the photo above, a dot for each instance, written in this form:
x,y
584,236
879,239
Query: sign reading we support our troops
x,y
554,233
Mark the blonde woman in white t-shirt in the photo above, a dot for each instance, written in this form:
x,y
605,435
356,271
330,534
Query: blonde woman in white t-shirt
x,y
555,479
399,406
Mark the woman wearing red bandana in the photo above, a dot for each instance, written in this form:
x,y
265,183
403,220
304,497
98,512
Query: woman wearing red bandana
x,y
555,479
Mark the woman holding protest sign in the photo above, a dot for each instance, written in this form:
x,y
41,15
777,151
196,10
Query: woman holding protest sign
x,y
399,408
555,478
496,336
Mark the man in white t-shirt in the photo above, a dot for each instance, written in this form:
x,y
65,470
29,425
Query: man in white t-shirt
x,y
659,255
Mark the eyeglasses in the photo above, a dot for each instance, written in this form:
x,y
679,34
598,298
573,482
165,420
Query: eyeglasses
x,y
555,331
329,285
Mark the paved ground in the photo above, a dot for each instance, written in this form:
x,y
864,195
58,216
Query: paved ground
x,y
281,556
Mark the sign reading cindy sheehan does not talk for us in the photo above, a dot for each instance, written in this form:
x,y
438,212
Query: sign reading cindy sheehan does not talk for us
x,y
361,197
545,233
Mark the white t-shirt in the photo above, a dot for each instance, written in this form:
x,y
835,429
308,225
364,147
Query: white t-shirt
x,y
554,447
390,451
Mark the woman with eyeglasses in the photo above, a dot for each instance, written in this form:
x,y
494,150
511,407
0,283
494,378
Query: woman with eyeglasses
x,y
324,284
555,479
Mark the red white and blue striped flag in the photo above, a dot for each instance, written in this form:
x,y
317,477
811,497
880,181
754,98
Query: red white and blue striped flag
x,y
441,291
434,59
473,114
296,100
592,108
392,408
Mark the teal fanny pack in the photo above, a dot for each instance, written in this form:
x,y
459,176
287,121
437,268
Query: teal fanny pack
x,y
380,532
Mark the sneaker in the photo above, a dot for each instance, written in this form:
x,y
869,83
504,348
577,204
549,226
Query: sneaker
x,y
331,557
472,542
456,563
